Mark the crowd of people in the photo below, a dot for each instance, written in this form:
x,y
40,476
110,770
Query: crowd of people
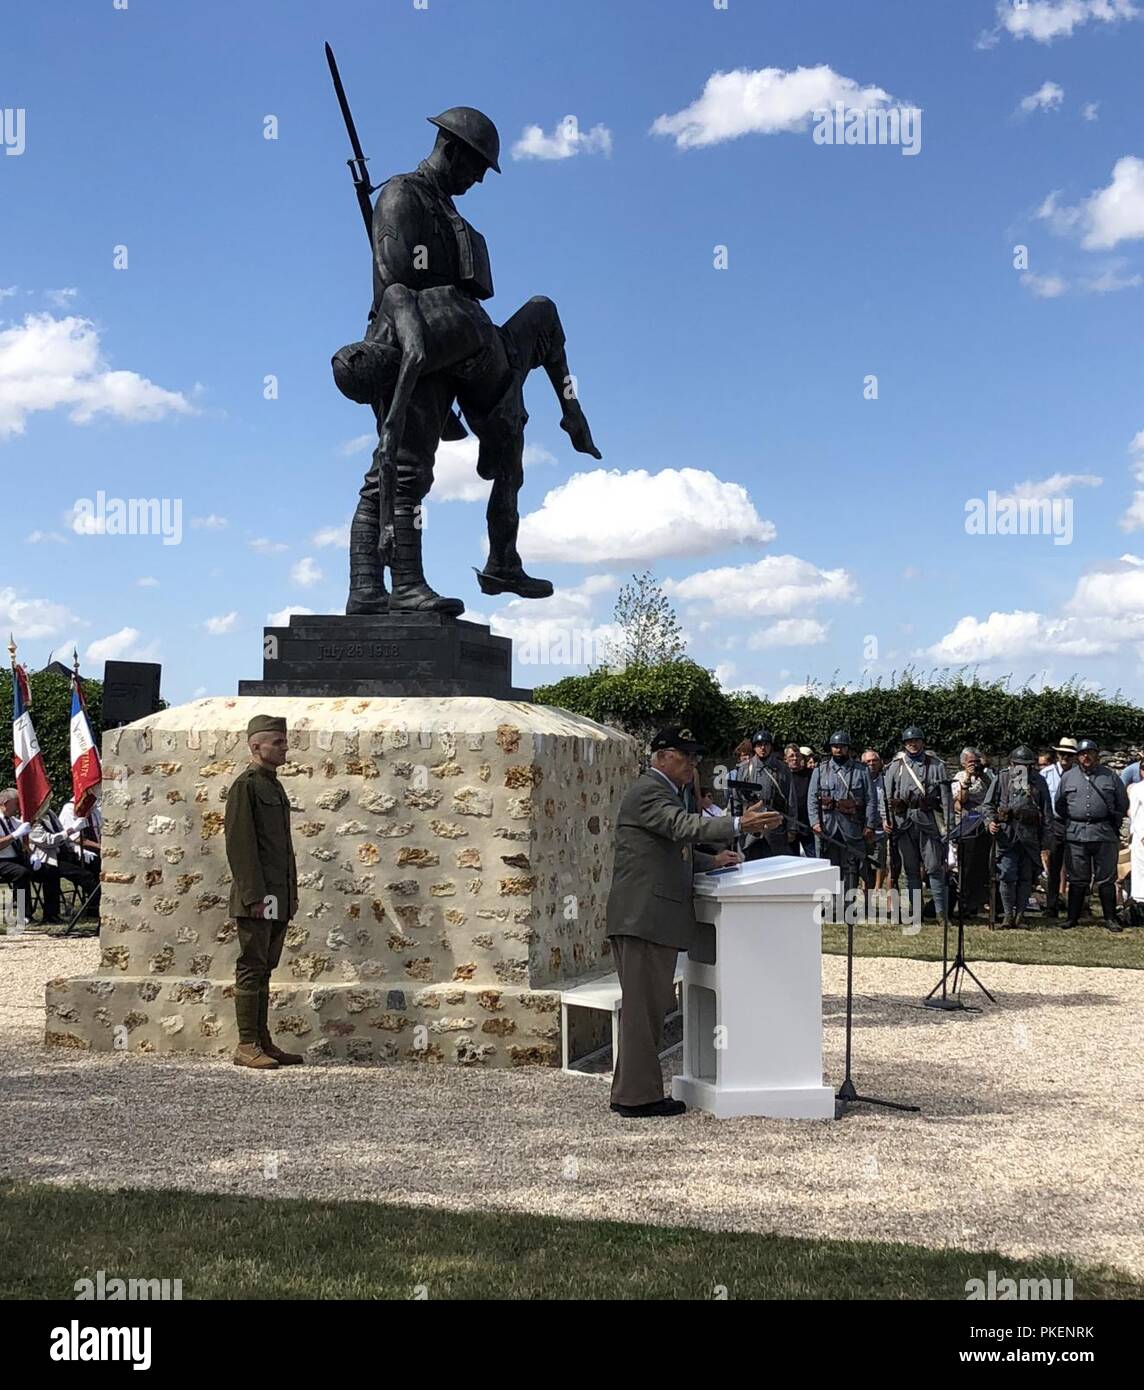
x,y
38,857
979,840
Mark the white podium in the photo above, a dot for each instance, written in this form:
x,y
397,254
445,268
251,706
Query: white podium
x,y
752,993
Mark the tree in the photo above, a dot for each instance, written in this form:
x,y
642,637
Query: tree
x,y
648,630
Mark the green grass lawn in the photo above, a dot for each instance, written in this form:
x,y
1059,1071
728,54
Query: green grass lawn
x,y
1042,945
227,1247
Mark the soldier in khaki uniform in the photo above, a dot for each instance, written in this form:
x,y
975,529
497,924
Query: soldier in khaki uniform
x,y
650,912
264,887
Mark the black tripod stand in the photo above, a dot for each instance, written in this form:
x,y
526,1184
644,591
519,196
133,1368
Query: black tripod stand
x,y
950,983
847,1094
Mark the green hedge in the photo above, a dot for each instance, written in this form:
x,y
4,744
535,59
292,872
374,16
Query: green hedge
x,y
51,716
953,711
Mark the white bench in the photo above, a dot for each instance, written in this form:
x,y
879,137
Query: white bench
x,y
602,993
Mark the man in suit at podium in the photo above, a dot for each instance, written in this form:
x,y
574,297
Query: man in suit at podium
x,y
650,913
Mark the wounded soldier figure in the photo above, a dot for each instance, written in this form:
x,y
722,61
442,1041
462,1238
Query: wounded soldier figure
x,y
429,344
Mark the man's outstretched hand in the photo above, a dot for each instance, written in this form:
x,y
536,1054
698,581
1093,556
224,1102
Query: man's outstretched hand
x,y
756,819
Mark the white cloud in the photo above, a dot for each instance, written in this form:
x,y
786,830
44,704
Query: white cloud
x,y
209,523
218,627
775,586
283,616
9,292
120,646
60,298
358,444
566,140
1109,215
332,535
261,545
609,517
147,581
306,573
455,470
1047,97
39,537
791,692
32,617
47,363
1044,286
1110,280
1133,518
559,631
1090,110
1046,20
788,632
764,101
1057,485
1104,614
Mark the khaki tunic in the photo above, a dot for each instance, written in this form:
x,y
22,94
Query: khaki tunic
x,y
258,846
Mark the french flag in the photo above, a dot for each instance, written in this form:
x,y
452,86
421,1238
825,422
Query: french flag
x,y
32,785
87,773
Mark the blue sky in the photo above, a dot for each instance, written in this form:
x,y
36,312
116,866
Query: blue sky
x,y
800,527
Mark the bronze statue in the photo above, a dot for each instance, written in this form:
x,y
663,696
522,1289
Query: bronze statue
x,y
430,344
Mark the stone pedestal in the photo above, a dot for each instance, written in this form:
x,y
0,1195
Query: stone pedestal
x,y
454,861
407,654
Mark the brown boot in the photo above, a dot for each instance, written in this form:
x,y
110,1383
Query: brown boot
x,y
251,1055
248,1053
266,1042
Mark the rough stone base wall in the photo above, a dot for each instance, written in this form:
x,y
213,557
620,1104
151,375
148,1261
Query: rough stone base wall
x,y
454,860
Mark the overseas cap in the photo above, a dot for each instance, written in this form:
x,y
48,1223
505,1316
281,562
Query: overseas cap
x,y
266,724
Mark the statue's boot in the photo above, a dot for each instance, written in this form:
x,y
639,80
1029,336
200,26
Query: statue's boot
x,y
495,580
575,425
367,579
410,591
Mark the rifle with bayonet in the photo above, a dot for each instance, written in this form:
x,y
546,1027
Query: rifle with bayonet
x,y
358,172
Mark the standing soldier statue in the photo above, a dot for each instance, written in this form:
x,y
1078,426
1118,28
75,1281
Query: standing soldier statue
x,y
843,811
921,808
429,343
263,889
1019,812
1092,802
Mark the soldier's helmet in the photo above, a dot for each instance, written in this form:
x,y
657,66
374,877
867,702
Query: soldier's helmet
x,y
763,736
1088,745
474,129
911,732
841,738
1023,754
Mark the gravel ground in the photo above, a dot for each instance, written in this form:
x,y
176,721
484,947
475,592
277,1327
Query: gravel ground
x,y
1028,1140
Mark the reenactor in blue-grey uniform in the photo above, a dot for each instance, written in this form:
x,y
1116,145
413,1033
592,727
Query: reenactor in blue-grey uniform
x,y
768,772
1018,811
1092,802
843,810
918,792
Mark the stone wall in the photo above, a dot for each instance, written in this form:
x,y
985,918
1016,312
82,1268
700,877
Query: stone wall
x,y
454,859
